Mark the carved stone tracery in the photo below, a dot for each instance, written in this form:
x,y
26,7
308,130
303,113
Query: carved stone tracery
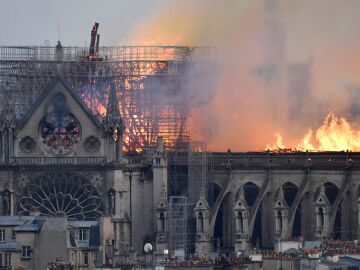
x,y
61,194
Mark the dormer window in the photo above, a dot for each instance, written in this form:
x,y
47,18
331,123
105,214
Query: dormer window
x,y
83,234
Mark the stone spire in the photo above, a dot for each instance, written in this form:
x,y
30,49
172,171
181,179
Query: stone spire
x,y
202,216
112,121
241,194
322,191
7,128
241,211
322,198
113,127
8,117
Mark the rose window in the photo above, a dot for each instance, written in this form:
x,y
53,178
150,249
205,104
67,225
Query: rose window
x,y
62,195
60,132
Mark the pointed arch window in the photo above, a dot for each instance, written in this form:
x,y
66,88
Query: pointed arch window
x,y
241,221
161,222
201,222
321,218
279,221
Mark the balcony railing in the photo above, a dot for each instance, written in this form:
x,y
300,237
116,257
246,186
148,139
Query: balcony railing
x,y
57,160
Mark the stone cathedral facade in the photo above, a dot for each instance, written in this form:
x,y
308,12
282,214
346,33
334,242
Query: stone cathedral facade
x,y
58,160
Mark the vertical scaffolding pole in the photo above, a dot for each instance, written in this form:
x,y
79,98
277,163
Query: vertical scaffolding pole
x,y
178,216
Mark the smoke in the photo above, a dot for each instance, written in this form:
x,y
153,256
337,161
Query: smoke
x,y
281,66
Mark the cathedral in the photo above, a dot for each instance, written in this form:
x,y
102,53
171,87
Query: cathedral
x,y
58,161
99,168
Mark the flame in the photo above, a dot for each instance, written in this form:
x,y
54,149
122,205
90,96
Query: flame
x,y
335,134
278,144
305,144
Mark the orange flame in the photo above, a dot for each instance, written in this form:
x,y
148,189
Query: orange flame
x,y
335,134
278,144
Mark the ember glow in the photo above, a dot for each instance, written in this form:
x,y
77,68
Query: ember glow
x,y
276,73
148,86
335,134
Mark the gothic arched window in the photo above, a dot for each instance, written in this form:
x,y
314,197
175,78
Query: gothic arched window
x,y
321,217
162,222
201,222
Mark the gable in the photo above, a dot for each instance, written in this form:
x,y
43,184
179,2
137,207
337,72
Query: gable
x,y
280,201
322,200
162,205
241,205
59,124
202,203
320,197
58,85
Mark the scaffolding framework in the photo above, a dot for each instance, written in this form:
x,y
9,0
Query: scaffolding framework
x,y
189,174
197,171
150,84
154,98
197,184
178,219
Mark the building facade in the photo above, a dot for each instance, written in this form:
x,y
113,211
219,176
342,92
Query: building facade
x,y
37,242
58,160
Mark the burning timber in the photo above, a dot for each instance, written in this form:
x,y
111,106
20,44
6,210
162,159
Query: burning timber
x,y
150,83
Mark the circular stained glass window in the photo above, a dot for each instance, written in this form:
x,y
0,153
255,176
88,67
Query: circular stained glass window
x,y
60,132
62,195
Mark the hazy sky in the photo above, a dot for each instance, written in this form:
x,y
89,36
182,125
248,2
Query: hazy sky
x,y
34,21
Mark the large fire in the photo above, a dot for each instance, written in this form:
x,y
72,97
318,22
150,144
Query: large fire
x,y
335,134
147,91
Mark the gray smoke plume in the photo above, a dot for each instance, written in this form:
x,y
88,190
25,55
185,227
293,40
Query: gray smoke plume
x,y
281,66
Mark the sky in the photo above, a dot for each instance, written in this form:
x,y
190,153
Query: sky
x,y
32,22
244,111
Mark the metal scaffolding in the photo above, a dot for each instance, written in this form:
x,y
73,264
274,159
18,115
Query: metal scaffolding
x,y
189,175
197,171
178,218
150,84
154,98
197,183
